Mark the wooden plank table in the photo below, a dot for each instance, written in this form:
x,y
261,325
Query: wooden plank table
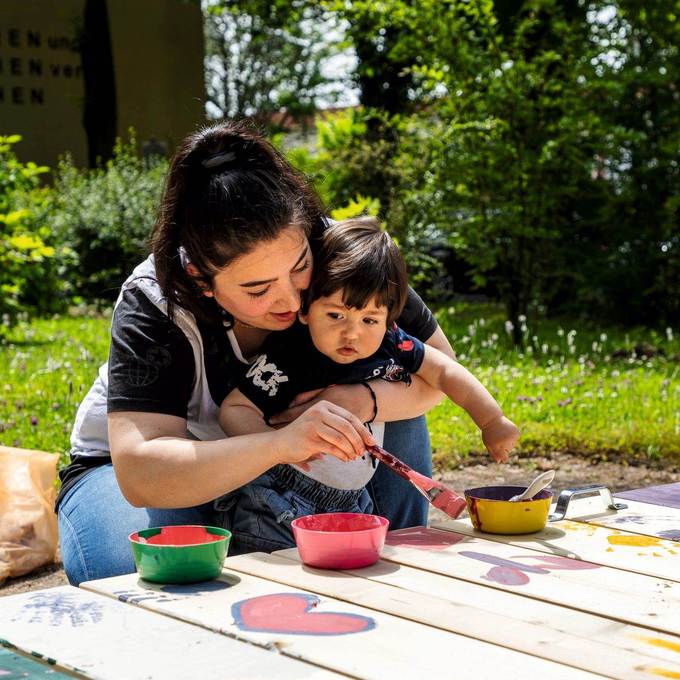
x,y
667,495
596,595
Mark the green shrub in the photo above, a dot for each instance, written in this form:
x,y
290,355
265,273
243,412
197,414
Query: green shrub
x,y
365,161
31,275
105,215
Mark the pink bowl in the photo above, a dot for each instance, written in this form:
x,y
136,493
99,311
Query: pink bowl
x,y
340,540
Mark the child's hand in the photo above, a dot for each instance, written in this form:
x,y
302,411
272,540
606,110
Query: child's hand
x,y
500,437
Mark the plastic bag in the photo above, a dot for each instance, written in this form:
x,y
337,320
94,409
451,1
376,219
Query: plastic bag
x,y
28,525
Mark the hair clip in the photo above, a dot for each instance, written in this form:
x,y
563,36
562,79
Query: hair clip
x,y
218,159
183,257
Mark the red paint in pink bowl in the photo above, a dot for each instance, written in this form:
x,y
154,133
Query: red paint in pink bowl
x,y
340,540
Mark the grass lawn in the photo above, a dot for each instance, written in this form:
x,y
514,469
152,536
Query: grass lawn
x,y
574,388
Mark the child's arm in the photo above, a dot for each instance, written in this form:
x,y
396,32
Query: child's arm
x,y
499,434
309,437
239,415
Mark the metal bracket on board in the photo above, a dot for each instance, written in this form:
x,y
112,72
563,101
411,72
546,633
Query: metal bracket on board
x,y
580,492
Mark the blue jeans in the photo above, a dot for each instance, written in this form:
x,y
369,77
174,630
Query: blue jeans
x,y
259,514
95,520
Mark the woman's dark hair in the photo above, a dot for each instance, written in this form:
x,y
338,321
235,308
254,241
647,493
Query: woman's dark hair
x,y
227,190
359,258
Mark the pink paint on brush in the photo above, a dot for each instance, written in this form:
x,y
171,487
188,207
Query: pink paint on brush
x,y
442,498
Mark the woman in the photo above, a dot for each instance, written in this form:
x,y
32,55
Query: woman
x,y
230,260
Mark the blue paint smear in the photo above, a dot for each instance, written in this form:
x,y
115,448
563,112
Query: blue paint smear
x,y
671,534
57,609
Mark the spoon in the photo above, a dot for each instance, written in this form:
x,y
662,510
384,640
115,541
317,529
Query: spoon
x,y
537,485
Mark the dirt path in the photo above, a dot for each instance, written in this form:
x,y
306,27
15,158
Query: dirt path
x,y
571,471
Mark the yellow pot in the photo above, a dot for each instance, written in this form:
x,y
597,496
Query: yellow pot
x,y
492,512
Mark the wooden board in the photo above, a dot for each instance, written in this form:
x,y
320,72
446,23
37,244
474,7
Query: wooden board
x,y
97,637
637,518
17,667
620,595
609,547
667,495
570,637
373,644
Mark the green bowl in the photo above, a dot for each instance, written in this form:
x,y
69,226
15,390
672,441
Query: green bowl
x,y
179,554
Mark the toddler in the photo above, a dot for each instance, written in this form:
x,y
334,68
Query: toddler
x,y
346,333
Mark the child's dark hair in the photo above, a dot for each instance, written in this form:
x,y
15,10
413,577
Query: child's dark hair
x,y
227,190
359,258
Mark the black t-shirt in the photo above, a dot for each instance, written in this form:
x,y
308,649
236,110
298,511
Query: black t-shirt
x,y
289,364
151,364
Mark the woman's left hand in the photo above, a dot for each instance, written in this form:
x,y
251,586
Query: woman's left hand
x,y
354,398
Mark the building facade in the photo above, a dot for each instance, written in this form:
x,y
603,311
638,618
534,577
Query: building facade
x,y
76,74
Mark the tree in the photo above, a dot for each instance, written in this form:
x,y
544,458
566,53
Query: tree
x,y
265,57
541,139
637,269
509,138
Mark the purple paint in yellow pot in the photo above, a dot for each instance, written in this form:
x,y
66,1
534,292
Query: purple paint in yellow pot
x,y
179,554
492,511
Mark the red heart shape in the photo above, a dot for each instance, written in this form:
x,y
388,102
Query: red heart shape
x,y
405,345
288,613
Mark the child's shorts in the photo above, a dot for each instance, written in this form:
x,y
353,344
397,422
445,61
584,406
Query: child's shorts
x,y
259,514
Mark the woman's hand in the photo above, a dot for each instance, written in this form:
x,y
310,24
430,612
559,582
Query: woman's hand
x,y
353,398
323,428
500,437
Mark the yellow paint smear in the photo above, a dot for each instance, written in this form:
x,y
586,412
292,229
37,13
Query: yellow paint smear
x,y
578,526
635,541
665,644
664,673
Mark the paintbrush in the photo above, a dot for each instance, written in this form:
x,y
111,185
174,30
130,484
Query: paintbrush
x,y
442,498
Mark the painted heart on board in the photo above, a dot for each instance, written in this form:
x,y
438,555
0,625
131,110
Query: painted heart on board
x,y
289,613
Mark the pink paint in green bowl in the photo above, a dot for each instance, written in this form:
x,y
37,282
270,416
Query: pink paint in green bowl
x,y
179,554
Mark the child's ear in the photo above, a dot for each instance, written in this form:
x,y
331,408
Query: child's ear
x,y
302,317
198,279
